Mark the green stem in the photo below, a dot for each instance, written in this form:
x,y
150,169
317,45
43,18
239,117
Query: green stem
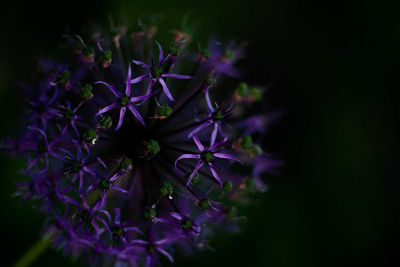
x,y
36,250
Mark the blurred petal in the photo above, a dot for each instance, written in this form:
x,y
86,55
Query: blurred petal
x,y
187,156
198,166
165,88
137,115
198,143
110,87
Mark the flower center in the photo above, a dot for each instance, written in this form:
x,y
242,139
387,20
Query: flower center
x,y
217,116
150,248
41,108
104,184
42,148
207,157
117,230
68,114
76,166
124,100
157,72
205,203
186,224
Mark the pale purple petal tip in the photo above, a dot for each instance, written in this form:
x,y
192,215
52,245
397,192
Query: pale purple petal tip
x,y
198,166
140,63
187,156
198,143
215,174
176,76
137,115
227,156
165,88
121,118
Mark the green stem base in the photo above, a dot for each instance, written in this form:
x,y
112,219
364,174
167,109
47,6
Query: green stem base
x,y
36,250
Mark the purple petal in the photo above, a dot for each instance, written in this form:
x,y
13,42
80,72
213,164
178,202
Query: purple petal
x,y
90,188
84,241
128,81
217,144
163,241
199,128
103,221
132,228
117,216
107,214
198,143
187,156
140,63
141,78
77,107
160,54
68,153
209,101
137,115
226,156
79,150
89,170
54,96
198,166
165,88
40,131
99,205
107,108
166,254
176,76
142,97
215,174
116,176
119,189
71,200
33,162
214,134
150,88
80,181
110,87
121,117
102,163
138,241
176,216
75,128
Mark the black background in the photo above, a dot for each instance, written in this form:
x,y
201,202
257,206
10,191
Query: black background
x,y
333,66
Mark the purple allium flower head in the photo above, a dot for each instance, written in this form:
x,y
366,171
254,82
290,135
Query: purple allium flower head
x,y
132,161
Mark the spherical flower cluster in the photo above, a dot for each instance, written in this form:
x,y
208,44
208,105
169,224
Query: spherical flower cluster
x,y
135,149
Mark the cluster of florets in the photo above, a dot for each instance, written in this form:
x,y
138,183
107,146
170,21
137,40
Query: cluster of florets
x,y
131,156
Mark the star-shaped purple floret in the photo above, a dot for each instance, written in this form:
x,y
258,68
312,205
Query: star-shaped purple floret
x,y
88,215
124,101
153,247
214,117
157,74
44,148
206,156
117,228
105,182
77,165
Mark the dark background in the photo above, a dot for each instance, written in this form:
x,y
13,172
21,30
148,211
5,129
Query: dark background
x,y
332,66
